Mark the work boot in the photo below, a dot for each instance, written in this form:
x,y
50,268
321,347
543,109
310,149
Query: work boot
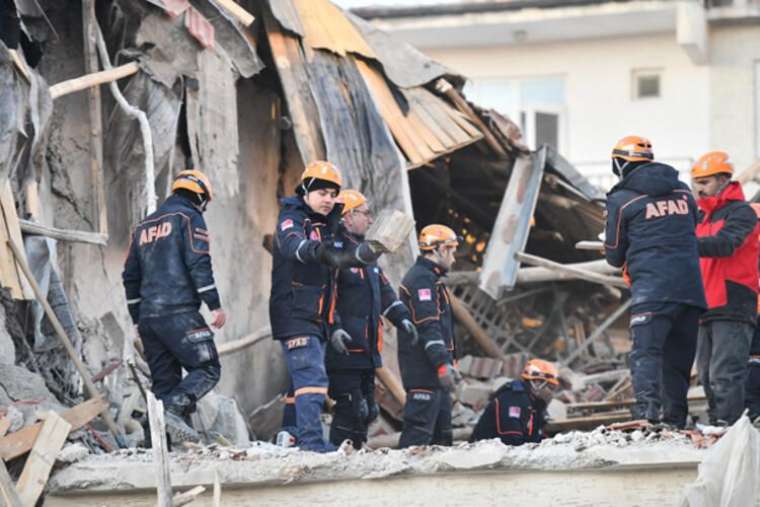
x,y
176,427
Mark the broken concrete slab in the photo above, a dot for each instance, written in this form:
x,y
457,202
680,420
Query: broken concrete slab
x,y
26,391
7,347
220,415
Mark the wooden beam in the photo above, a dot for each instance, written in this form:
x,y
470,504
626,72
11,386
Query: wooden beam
x,y
237,12
245,342
217,499
89,80
581,274
541,274
90,36
587,423
20,64
19,442
92,238
590,245
598,332
464,317
41,459
7,489
188,496
160,451
92,391
447,89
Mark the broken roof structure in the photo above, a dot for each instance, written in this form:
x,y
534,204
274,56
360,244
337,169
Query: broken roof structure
x,y
197,83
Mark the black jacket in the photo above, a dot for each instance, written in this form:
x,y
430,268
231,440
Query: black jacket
x,y
300,299
512,415
168,268
362,295
651,217
424,294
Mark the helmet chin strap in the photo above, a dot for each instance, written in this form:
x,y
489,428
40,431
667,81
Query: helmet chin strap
x,y
618,166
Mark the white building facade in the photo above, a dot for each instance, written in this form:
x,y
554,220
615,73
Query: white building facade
x,y
580,74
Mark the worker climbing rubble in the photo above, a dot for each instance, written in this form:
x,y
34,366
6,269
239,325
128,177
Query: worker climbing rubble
x,y
516,412
167,275
651,219
362,295
301,302
728,247
427,365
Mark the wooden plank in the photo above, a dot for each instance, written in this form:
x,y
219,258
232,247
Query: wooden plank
x,y
598,332
188,496
423,132
587,423
20,442
392,383
327,27
441,114
581,274
245,342
89,80
90,39
41,459
5,424
217,500
14,234
7,489
240,14
92,238
160,451
391,113
295,84
8,274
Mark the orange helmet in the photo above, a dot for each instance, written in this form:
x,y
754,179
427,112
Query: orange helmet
x,y
194,181
433,235
320,170
633,149
538,369
351,199
712,163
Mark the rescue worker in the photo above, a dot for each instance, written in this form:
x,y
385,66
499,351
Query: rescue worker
x,y
752,387
427,367
304,255
516,413
362,295
727,238
167,275
651,217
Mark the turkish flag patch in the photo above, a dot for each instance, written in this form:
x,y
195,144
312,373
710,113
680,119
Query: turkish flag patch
x,y
424,295
286,224
515,412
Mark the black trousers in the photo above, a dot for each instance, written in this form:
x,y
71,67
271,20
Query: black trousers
x,y
664,346
175,342
355,407
427,418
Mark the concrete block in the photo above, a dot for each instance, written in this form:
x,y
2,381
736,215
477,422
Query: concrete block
x,y
474,394
480,367
220,415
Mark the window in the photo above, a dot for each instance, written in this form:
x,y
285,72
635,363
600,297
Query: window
x,y
646,84
537,104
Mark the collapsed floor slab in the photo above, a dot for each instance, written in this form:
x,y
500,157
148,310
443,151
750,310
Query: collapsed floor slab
x,y
600,469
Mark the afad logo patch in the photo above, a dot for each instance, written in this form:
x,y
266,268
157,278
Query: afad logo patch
x,y
425,295
286,224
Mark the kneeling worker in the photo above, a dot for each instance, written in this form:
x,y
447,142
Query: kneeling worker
x,y
427,367
362,295
516,413
166,276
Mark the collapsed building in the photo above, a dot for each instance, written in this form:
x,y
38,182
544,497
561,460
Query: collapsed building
x,y
250,93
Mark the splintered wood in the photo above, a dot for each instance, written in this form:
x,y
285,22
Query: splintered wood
x,y
390,230
49,442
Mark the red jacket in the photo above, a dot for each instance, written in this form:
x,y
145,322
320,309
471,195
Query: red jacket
x,y
728,248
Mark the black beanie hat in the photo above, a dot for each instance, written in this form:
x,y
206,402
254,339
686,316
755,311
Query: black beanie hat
x,y
314,184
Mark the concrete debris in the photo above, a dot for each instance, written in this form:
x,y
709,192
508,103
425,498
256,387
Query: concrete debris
x,y
7,348
220,416
26,391
266,420
72,453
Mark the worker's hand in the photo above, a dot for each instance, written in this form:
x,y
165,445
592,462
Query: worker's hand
x,y
219,318
412,330
448,376
339,339
366,254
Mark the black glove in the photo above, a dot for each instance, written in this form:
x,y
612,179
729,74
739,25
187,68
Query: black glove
x,y
448,376
365,254
335,258
339,339
412,330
